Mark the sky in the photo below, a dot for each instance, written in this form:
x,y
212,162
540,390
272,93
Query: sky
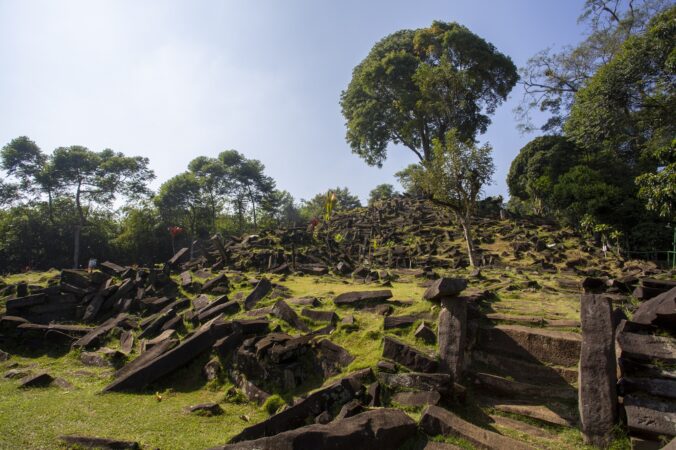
x,y
173,80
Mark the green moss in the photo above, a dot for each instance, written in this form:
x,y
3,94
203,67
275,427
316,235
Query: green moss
x,y
273,403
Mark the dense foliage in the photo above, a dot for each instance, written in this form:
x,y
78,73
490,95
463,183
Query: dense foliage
x,y
417,85
615,165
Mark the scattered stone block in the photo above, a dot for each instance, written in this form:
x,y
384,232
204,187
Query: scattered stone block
x,y
349,409
305,301
398,322
378,429
95,336
282,310
126,342
99,443
426,333
324,399
206,409
39,380
323,418
212,369
440,382
165,363
362,298
262,289
445,287
374,394
320,316
348,320
660,311
386,366
332,357
421,398
408,356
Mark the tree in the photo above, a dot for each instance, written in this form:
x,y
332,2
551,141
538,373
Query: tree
x,y
87,178
23,160
381,192
551,80
628,107
247,183
316,206
181,202
97,177
454,179
142,237
416,85
537,168
280,209
406,178
215,182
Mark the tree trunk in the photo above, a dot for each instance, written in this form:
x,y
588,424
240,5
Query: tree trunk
x,y
78,228
76,247
467,231
50,206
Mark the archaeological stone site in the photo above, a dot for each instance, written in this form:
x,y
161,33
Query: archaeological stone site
x,y
338,225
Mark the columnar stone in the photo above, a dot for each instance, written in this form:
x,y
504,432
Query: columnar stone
x,y
452,332
597,371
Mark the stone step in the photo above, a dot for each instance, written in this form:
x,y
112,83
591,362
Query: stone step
x,y
523,427
522,371
554,414
435,420
514,389
534,345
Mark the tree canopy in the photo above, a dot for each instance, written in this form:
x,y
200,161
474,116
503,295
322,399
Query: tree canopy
x,y
381,192
417,85
551,79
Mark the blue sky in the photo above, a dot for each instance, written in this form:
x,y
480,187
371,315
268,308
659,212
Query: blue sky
x,y
172,80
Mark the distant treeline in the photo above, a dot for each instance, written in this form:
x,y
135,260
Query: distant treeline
x,y
58,209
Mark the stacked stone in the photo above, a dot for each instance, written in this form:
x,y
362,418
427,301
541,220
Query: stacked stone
x,y
452,329
647,355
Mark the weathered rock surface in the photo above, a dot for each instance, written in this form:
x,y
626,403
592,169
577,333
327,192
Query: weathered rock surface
x,y
597,386
378,429
167,362
445,287
649,415
452,332
282,310
363,298
262,289
436,420
531,344
658,311
99,443
324,399
39,380
421,398
320,316
440,382
408,356
206,409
